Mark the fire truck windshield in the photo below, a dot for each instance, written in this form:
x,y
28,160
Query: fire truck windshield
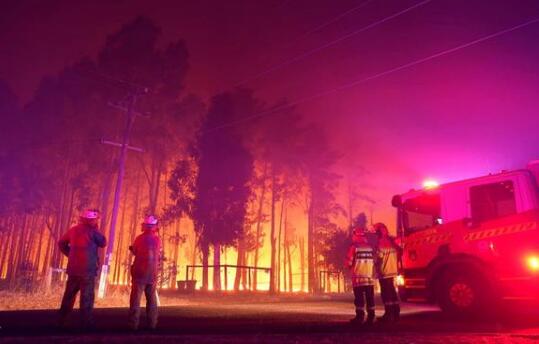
x,y
421,212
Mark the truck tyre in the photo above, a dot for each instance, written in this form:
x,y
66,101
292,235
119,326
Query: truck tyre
x,y
462,293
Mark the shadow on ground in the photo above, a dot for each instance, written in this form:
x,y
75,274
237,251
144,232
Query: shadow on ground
x,y
278,318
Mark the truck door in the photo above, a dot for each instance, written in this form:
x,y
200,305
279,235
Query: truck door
x,y
498,228
420,219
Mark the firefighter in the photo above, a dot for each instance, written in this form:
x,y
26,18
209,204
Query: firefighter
x,y
388,252
80,244
360,259
147,251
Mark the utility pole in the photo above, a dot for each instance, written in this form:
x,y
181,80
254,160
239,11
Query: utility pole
x,y
131,115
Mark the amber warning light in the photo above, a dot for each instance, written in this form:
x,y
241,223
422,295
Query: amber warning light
x,y
430,184
533,263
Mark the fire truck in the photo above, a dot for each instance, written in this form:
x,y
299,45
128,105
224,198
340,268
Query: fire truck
x,y
469,244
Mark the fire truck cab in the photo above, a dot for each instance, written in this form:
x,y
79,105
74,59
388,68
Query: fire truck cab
x,y
471,243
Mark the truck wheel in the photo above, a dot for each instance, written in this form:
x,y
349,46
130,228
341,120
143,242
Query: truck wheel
x,y
462,293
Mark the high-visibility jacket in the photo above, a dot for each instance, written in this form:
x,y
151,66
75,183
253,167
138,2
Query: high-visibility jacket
x,y
360,259
80,244
147,251
388,258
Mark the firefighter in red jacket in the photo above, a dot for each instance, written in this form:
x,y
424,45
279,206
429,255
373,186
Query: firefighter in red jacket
x,y
144,271
360,259
80,244
387,269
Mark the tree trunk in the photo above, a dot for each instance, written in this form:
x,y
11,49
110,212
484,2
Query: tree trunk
x,y
133,226
244,272
50,243
38,253
279,245
259,225
57,229
239,262
217,267
193,260
19,258
290,275
205,248
30,241
119,245
350,206
302,262
311,254
155,180
177,239
12,253
105,201
118,260
6,240
272,234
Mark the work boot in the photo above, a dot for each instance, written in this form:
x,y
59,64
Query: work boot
x,y
396,312
370,317
359,318
387,317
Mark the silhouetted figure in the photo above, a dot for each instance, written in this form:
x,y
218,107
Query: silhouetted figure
x,y
80,244
360,259
387,269
147,251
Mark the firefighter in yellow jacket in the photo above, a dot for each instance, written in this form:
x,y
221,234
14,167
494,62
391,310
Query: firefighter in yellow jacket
x,y
360,259
387,252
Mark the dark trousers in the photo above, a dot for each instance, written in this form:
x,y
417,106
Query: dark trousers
x,y
388,291
149,291
361,295
86,287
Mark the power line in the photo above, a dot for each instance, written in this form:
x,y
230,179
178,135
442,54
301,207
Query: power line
x,y
329,22
42,145
310,32
375,76
331,43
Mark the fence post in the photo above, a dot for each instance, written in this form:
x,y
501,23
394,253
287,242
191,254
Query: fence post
x,y
48,279
226,278
328,278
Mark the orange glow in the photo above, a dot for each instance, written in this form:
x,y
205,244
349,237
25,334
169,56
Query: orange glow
x,y
399,280
533,263
430,184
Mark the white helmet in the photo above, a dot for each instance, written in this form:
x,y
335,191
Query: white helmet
x,y
150,220
90,214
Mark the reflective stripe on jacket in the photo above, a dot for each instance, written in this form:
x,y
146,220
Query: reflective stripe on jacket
x,y
388,262
361,260
388,253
